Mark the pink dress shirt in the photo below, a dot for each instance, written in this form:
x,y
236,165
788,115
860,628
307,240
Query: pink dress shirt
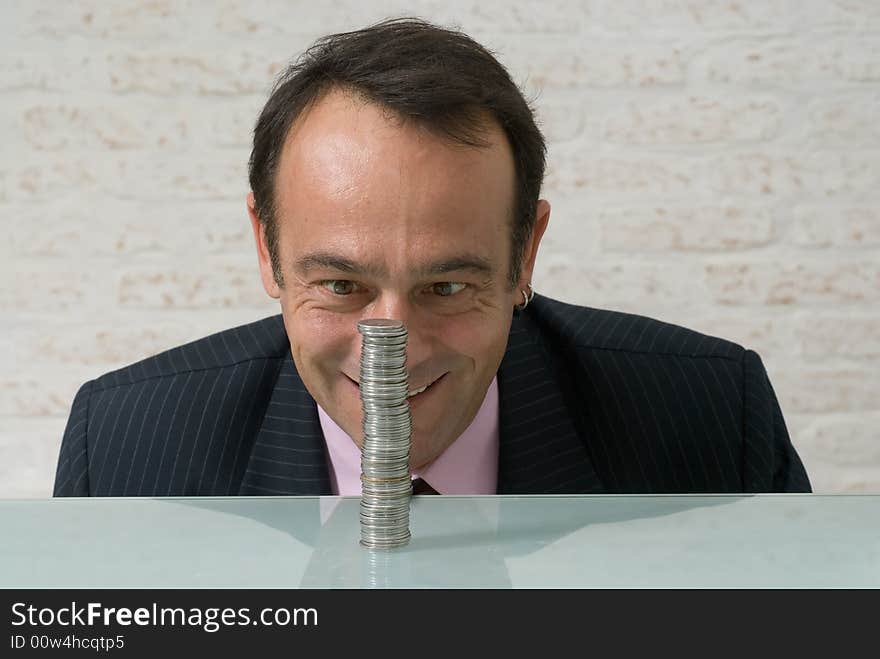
x,y
468,466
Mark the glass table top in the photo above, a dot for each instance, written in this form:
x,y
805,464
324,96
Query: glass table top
x,y
578,541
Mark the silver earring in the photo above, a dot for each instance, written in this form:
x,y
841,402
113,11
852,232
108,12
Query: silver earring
x,y
527,297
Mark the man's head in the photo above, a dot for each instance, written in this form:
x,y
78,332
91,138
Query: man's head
x,y
395,173
437,78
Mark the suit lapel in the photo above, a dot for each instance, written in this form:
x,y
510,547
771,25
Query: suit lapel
x,y
540,451
288,457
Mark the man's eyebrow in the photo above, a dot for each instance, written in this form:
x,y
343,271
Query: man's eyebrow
x,y
329,261
472,263
335,262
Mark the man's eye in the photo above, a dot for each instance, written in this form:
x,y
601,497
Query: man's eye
x,y
447,288
339,286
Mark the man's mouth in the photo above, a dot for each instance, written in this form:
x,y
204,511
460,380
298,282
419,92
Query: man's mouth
x,y
412,392
416,392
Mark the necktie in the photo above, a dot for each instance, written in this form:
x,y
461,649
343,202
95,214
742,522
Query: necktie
x,y
420,486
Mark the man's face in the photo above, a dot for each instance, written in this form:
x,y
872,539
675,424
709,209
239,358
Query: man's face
x,y
377,218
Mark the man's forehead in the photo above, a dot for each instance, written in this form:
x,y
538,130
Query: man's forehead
x,y
346,116
346,156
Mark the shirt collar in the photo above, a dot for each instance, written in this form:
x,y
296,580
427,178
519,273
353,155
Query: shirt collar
x,y
468,466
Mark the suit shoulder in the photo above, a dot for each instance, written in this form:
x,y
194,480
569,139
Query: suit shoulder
x,y
602,329
263,339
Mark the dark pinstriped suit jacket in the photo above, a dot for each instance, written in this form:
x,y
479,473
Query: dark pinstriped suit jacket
x,y
590,401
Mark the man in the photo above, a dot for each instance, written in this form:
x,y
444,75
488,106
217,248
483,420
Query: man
x,y
396,173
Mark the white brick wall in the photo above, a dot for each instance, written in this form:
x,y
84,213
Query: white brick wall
x,y
712,163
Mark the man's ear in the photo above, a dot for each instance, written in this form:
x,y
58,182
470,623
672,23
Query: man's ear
x,y
266,274
542,218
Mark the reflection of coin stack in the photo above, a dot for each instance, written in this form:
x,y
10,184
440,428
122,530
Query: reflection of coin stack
x,y
385,478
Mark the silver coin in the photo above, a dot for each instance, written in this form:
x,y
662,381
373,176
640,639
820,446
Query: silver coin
x,y
378,475
386,352
374,419
381,432
384,537
383,368
379,503
376,487
387,339
389,355
382,511
382,507
378,463
390,395
389,409
371,382
389,524
384,517
399,529
375,473
388,481
382,498
380,438
367,385
383,377
385,415
383,346
377,469
388,366
379,443
386,485
397,526
384,459
384,432
383,429
380,324
378,415
385,453
379,448
382,543
382,349
390,468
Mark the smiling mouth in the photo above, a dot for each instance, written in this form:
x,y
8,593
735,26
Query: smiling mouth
x,y
412,392
416,392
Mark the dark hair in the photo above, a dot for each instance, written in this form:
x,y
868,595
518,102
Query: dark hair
x,y
438,77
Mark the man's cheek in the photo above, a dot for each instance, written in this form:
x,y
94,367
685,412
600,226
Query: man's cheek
x,y
333,328
326,340
475,341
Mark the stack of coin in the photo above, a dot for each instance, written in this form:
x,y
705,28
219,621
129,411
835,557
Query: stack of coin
x,y
385,478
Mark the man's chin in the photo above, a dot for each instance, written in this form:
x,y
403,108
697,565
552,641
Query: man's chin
x,y
424,452
418,464
427,418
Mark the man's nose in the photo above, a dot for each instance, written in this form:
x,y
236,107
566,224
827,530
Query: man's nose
x,y
394,306
390,305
